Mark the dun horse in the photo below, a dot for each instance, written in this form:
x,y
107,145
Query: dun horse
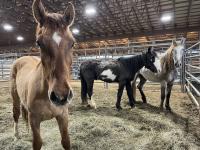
x,y
167,65
41,87
122,71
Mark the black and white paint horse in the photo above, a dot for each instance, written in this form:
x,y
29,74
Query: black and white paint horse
x,y
166,64
121,71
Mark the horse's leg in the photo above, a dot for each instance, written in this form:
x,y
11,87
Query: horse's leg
x,y
162,96
169,89
83,90
16,108
130,94
140,86
63,127
90,92
119,95
35,127
25,116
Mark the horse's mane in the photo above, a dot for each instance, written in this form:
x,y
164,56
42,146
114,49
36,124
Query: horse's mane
x,y
167,61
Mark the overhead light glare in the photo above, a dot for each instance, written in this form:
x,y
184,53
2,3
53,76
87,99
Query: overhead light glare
x,y
20,38
75,31
7,27
166,18
90,11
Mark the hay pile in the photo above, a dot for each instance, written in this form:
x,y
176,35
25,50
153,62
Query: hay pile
x,y
145,127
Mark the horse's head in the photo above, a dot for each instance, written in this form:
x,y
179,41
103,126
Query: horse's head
x,y
179,47
150,59
55,41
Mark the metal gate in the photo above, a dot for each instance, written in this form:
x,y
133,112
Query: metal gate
x,y
190,75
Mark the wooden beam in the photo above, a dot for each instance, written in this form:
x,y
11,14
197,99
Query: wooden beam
x,y
147,33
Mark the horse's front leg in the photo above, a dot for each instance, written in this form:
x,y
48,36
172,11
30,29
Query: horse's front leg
x,y
130,94
35,127
169,89
119,95
162,96
140,87
63,127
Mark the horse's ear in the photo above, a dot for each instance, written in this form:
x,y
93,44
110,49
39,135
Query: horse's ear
x,y
69,14
174,42
150,49
39,12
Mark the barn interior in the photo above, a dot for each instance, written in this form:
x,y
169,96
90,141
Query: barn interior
x,y
106,30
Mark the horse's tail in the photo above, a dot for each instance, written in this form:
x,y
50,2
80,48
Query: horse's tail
x,y
83,87
14,93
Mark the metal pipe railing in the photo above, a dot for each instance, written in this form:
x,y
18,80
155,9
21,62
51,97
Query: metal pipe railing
x,y
189,80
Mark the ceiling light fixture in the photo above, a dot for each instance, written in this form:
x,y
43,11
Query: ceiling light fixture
x,y
7,27
20,38
90,11
75,31
166,18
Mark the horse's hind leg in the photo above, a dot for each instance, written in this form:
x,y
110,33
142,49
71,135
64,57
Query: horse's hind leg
x,y
169,88
140,86
83,90
130,94
25,116
119,95
16,108
90,84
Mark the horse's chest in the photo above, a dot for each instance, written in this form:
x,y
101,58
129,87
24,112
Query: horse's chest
x,y
46,110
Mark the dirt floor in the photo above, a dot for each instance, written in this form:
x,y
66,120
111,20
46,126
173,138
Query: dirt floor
x,y
143,128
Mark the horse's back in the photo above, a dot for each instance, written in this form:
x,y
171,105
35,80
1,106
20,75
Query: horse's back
x,y
26,63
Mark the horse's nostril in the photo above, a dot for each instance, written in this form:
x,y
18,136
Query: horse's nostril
x,y
70,95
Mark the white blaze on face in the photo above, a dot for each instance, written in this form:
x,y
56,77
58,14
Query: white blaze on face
x,y
57,38
109,74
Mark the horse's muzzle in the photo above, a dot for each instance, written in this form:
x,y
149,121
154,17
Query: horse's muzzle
x,y
61,100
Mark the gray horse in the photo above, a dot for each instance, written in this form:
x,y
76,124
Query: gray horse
x,y
166,64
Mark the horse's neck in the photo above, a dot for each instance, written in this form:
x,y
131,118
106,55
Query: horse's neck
x,y
137,63
41,77
167,61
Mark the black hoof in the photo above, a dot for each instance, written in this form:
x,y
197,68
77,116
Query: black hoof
x,y
144,99
168,108
119,108
132,105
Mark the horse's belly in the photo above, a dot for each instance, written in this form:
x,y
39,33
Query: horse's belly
x,y
147,74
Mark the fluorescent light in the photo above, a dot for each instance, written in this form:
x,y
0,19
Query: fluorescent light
x,y
90,11
166,18
75,31
20,38
7,27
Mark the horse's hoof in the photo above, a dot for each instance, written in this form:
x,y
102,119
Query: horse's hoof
x,y
161,108
119,108
132,106
168,109
84,103
92,106
16,138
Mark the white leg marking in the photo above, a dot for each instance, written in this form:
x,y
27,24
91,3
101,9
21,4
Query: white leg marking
x,y
109,74
16,134
92,103
57,38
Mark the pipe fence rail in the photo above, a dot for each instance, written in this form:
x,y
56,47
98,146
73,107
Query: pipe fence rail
x,y
190,74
